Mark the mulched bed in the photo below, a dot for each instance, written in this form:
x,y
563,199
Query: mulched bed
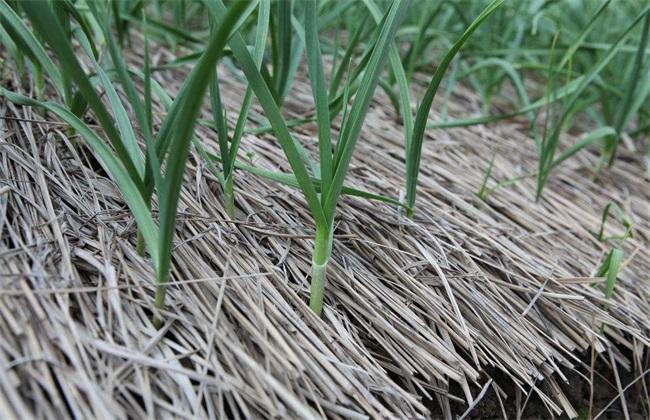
x,y
475,307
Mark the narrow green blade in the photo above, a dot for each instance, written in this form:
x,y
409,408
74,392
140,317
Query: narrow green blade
x,y
319,92
414,151
184,121
351,130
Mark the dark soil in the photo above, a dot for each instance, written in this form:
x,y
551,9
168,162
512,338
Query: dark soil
x,y
576,389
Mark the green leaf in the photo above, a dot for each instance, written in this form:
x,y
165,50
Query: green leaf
x,y
610,267
219,115
291,181
283,37
258,56
28,44
625,108
347,58
183,125
352,128
549,145
592,137
414,151
319,92
142,111
400,77
274,115
620,216
44,21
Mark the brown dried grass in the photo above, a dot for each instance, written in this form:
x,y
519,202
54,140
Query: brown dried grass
x,y
418,314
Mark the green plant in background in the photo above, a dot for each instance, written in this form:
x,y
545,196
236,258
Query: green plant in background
x,y
636,90
125,164
550,142
229,146
603,71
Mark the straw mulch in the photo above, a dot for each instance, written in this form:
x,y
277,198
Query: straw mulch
x,y
474,300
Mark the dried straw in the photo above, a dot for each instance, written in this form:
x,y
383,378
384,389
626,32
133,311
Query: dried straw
x,y
417,313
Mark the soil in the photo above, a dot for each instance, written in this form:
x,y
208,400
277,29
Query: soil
x,y
575,388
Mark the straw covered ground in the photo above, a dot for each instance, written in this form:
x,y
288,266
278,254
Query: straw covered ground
x,y
477,307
